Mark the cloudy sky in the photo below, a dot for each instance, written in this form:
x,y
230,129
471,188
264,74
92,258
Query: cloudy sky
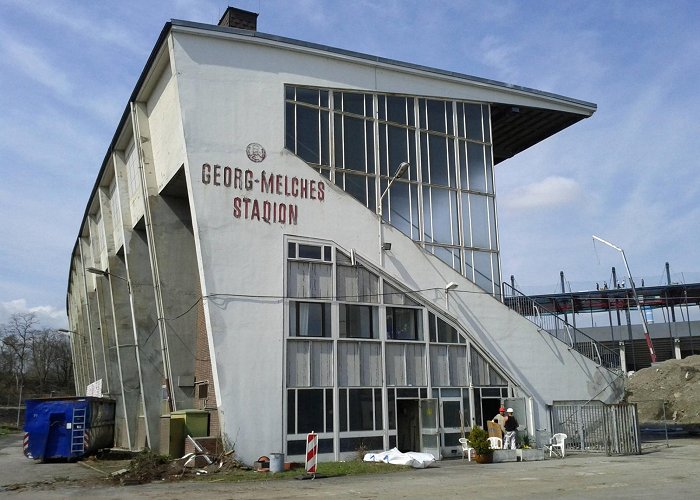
x,y
628,174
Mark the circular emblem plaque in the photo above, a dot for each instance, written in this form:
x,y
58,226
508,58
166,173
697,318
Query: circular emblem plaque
x,y
256,153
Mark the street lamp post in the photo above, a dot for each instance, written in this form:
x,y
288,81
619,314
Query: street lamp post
x,y
107,274
72,354
647,337
400,172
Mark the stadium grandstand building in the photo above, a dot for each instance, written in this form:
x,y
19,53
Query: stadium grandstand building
x,y
295,238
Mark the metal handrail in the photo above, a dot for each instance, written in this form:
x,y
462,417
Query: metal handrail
x,y
560,329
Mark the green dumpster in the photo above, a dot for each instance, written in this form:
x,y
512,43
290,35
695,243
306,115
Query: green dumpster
x,y
196,422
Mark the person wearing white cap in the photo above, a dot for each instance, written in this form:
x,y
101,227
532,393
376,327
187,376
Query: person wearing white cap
x,y
511,425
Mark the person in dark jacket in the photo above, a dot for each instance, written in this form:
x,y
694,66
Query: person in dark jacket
x,y
511,425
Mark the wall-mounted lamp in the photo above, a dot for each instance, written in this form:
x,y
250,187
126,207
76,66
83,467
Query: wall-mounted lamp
x,y
386,246
107,274
450,286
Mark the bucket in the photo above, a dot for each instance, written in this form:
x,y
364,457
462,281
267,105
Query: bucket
x,y
276,462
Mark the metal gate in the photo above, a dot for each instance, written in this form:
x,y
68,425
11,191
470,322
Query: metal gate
x,y
598,427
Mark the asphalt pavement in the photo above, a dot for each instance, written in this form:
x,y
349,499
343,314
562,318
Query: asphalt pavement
x,y
659,472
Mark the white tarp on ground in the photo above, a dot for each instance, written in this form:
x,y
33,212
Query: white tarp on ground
x,y
394,456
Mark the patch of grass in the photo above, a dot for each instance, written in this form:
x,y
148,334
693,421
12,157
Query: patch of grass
x,y
326,469
7,429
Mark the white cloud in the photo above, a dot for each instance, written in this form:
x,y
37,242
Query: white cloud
x,y
48,316
553,191
500,55
32,62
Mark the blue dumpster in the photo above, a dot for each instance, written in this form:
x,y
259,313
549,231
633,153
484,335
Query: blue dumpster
x,y
69,428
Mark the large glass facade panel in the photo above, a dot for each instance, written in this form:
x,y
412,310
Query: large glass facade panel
x,y
478,211
446,143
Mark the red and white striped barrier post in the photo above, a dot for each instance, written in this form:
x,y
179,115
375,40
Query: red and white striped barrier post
x,y
311,452
25,446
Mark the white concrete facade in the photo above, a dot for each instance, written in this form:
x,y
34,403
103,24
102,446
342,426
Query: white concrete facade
x,y
158,219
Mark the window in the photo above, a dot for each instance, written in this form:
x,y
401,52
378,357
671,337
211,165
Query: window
x,y
446,142
305,251
358,321
309,319
360,409
403,324
309,410
355,283
203,390
442,332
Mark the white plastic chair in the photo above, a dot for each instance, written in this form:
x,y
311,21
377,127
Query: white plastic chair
x,y
495,443
466,448
557,445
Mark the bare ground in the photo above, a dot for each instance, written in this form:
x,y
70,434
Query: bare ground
x,y
675,382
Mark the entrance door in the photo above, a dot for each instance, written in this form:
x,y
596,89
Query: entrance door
x,y
429,427
453,426
407,425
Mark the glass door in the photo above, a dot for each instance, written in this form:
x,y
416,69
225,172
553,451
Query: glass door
x,y
429,427
453,426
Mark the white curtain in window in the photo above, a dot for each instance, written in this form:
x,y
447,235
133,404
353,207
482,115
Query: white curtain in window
x,y
458,366
349,364
298,363
395,365
439,376
303,319
415,365
371,364
309,280
321,364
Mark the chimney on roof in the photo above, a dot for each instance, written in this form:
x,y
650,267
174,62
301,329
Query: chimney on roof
x,y
238,18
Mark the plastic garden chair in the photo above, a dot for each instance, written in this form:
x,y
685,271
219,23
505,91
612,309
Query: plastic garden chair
x,y
557,445
495,443
466,448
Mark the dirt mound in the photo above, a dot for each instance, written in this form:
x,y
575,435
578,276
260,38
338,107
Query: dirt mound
x,y
675,381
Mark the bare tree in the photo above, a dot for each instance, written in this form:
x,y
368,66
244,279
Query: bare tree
x,y
63,363
34,361
44,344
17,336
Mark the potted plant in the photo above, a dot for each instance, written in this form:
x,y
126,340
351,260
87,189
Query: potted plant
x,y
479,440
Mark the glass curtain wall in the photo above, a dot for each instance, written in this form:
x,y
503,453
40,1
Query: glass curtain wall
x,y
446,200
357,345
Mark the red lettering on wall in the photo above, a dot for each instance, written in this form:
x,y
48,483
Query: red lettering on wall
x,y
237,207
248,180
246,202
206,173
266,184
321,193
237,173
255,212
217,174
278,184
293,213
227,176
295,187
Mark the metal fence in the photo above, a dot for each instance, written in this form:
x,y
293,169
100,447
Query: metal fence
x,y
553,324
598,427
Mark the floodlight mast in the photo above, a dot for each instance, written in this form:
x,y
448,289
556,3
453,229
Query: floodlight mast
x,y
647,337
